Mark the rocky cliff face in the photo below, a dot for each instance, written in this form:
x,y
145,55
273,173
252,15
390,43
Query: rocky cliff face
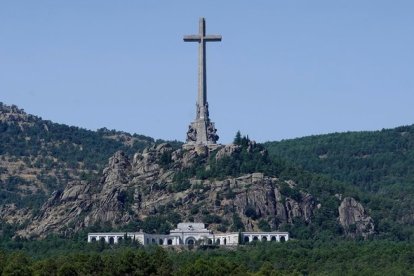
x,y
353,218
146,186
82,203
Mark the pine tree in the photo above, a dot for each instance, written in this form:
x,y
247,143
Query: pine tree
x,y
238,138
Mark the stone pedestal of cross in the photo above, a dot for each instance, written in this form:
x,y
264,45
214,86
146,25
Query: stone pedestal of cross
x,y
202,131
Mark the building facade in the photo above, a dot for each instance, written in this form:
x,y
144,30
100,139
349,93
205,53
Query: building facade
x,y
189,233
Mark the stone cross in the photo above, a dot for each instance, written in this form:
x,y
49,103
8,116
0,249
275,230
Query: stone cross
x,y
202,131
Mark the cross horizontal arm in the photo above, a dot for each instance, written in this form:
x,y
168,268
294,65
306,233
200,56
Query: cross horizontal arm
x,y
192,38
212,38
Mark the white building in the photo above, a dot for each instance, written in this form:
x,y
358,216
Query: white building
x,y
189,233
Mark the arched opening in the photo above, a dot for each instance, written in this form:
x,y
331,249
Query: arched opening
x,y
264,238
210,241
147,241
282,239
169,242
120,240
225,241
246,239
102,239
217,241
111,240
190,240
273,238
161,242
255,238
93,239
153,241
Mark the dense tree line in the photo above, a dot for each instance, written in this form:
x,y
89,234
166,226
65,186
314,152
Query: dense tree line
x,y
291,258
375,167
371,160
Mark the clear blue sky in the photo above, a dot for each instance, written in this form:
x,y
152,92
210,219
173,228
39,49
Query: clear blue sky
x,y
284,68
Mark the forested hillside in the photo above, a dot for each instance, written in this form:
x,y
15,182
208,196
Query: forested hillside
x,y
379,163
38,156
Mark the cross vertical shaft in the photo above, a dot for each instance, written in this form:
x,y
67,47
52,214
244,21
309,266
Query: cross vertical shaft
x,y
202,131
202,77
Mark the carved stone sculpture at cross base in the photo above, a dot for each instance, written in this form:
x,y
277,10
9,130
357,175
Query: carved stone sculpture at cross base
x,y
211,133
191,134
202,131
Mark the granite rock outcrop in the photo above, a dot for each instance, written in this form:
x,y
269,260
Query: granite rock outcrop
x,y
148,185
353,218
134,189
